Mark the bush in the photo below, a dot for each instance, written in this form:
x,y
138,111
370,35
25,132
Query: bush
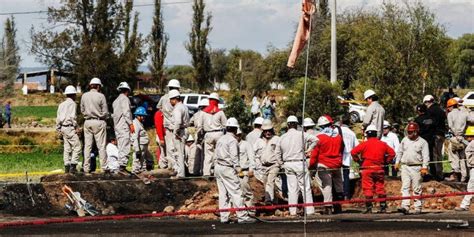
x,y
26,141
236,108
321,98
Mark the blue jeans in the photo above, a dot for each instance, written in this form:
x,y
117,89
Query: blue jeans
x,y
8,118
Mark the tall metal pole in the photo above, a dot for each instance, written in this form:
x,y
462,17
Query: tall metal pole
x,y
333,44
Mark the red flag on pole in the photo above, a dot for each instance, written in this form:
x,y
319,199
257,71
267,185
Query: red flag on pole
x,y
302,34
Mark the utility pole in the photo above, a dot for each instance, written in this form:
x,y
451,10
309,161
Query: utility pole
x,y
333,44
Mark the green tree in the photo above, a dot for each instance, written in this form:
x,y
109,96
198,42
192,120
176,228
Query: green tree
x,y
461,60
198,45
158,43
219,62
96,41
9,56
236,108
184,73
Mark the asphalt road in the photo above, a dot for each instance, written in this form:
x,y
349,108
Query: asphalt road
x,y
341,225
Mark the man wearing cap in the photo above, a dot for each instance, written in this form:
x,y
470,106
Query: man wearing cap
x,y
227,169
438,116
67,126
247,164
375,112
291,148
213,123
392,141
179,123
166,108
327,159
122,116
268,160
95,111
457,122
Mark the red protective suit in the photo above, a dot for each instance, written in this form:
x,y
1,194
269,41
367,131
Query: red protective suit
x,y
328,151
160,131
375,154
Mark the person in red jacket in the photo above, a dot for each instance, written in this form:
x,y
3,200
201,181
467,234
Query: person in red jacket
x,y
326,157
373,155
160,139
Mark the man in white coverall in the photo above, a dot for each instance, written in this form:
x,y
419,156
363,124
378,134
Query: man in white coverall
x,y
247,164
293,156
375,112
179,123
466,201
95,111
122,116
166,108
213,123
66,124
227,169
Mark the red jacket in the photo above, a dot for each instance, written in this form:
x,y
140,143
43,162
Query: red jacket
x,y
375,154
159,125
328,151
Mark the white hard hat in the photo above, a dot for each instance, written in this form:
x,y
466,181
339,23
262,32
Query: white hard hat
x,y
386,124
267,124
204,102
174,83
371,128
239,131
292,119
308,122
95,81
323,120
123,85
70,90
232,122
173,94
428,98
190,138
258,121
214,96
368,93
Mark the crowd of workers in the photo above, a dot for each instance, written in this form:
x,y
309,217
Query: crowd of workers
x,y
282,162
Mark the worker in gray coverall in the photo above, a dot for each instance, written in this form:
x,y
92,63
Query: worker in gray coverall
x,y
179,123
123,125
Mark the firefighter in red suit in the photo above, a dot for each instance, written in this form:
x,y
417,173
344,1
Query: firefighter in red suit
x,y
160,140
373,154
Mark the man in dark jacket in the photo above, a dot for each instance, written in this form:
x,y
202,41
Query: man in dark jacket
x,y
438,116
427,132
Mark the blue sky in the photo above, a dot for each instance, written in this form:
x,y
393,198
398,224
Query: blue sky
x,y
247,24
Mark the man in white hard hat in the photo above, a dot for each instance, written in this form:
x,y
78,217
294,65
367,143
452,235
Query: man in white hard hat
x,y
179,123
308,128
213,123
66,125
269,161
438,116
291,147
375,112
123,120
166,108
196,119
227,169
393,142
247,165
95,111
252,139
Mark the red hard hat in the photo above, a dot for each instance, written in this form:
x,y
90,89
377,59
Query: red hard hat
x,y
412,126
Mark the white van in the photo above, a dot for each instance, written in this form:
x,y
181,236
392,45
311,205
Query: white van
x,y
192,101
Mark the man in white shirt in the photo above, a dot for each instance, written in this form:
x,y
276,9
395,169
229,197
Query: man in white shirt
x,y
350,141
112,156
391,139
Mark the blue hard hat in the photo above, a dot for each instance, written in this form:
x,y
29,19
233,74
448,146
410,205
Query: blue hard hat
x,y
140,111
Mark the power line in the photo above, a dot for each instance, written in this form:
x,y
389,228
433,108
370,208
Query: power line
x,y
44,11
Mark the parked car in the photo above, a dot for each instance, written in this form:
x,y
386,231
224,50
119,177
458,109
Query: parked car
x,y
468,99
192,101
356,109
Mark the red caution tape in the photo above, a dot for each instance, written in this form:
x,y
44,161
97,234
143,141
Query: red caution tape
x,y
207,211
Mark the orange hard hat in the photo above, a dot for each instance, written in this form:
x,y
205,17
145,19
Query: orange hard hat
x,y
412,126
451,102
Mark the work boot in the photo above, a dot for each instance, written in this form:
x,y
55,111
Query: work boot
x,y
383,207
368,206
461,209
403,210
67,168
123,170
338,207
73,169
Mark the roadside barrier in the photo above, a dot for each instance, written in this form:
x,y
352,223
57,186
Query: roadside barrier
x,y
41,222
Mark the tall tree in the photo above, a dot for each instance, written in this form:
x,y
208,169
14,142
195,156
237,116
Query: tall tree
x,y
461,58
158,42
9,56
198,45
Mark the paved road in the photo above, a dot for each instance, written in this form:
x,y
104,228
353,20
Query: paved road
x,y
340,225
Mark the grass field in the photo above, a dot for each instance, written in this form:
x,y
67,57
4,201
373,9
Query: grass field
x,y
34,111
31,162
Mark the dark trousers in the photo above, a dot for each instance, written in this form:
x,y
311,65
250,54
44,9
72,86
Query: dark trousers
x,y
346,181
436,169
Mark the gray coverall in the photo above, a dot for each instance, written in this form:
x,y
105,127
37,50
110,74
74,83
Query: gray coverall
x,y
66,124
466,201
122,120
375,115
412,156
180,120
213,125
95,111
227,167
167,109
297,174
457,123
193,158
140,141
247,163
269,161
